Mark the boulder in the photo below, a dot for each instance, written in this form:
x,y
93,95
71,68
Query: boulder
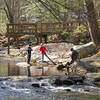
x,y
77,78
60,67
22,64
97,81
65,81
85,50
36,85
86,65
68,90
94,76
14,52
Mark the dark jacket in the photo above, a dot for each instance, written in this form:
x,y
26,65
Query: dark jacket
x,y
29,50
74,55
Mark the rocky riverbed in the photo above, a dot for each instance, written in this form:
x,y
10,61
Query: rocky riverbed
x,y
54,85
44,88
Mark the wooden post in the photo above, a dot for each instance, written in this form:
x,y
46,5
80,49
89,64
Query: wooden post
x,y
17,42
8,45
45,38
37,37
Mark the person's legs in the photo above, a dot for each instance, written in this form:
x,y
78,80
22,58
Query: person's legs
x,y
72,61
42,57
68,70
28,59
67,66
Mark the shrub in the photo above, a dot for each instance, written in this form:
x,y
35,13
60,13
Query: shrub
x,y
65,35
80,30
80,34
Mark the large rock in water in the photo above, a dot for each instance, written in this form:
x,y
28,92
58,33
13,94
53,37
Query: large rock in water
x,y
85,50
36,85
60,82
70,80
77,78
60,67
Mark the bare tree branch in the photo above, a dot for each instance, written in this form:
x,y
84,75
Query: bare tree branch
x,y
62,5
38,7
6,13
53,9
45,5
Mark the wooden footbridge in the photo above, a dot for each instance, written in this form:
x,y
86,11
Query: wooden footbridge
x,y
40,30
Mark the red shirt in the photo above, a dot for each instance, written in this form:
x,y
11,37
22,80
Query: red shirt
x,y
43,49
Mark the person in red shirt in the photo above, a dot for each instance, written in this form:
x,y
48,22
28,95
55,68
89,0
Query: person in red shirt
x,y
43,50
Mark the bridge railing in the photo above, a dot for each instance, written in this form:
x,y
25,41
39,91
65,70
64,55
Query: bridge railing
x,y
21,29
42,28
58,27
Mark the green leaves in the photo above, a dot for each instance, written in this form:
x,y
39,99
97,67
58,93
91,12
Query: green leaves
x,y
80,30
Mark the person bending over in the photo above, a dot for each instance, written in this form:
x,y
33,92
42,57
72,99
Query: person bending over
x,y
74,56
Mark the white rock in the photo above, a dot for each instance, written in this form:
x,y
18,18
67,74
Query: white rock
x,y
85,50
22,64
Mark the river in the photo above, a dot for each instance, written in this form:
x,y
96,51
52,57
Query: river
x,y
15,85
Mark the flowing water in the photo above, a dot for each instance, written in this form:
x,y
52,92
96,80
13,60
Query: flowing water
x,y
13,89
22,90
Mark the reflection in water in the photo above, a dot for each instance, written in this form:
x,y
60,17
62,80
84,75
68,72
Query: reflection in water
x,y
10,69
13,70
29,72
3,69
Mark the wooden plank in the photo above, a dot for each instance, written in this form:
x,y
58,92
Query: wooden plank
x,y
17,42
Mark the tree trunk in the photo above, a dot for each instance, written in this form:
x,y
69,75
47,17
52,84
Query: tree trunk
x,y
16,11
13,10
92,22
9,11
